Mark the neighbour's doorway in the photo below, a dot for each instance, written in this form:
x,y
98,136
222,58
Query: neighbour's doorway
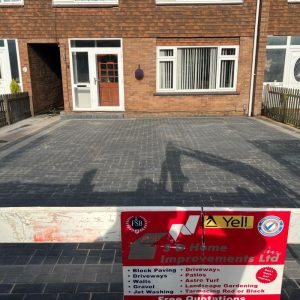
x,y
46,77
4,73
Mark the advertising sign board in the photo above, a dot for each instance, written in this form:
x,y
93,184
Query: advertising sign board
x,y
198,255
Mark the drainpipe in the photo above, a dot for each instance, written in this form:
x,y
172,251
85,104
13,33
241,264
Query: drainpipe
x,y
253,72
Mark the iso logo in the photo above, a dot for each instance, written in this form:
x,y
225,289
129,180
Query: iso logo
x,y
270,226
136,224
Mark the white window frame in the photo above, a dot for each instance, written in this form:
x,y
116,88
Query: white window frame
x,y
84,2
199,2
173,58
11,2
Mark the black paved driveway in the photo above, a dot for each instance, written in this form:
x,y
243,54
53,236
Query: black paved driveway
x,y
192,161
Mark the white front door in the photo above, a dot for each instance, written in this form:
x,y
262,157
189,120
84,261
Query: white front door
x,y
4,73
294,69
97,79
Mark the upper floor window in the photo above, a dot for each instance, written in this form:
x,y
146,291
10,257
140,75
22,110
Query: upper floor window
x,y
85,2
11,2
196,69
198,1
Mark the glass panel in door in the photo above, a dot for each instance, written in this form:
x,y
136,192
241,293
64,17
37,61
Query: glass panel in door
x,y
81,75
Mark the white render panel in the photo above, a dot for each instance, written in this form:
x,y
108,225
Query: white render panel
x,y
88,224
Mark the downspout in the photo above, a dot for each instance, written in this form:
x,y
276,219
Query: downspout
x,y
253,71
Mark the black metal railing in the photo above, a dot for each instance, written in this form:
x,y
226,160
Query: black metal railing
x,y
14,108
282,104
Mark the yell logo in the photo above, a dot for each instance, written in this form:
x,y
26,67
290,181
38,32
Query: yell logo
x,y
186,229
228,221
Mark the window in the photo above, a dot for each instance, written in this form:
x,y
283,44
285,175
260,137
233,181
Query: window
x,y
198,1
275,65
13,59
11,2
193,69
85,2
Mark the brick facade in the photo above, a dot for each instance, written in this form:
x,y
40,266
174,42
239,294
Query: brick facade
x,y
144,25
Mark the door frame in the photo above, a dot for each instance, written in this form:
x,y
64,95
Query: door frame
x,y
6,65
290,69
92,56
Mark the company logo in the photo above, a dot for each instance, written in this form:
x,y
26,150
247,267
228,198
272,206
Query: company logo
x,y
136,224
228,221
270,226
186,229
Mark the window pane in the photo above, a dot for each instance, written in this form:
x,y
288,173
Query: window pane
x,y
108,43
274,65
276,40
1,43
82,44
81,67
228,51
166,52
227,74
13,59
95,43
196,68
166,75
295,40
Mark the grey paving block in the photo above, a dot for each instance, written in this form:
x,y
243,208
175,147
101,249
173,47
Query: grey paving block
x,y
28,288
61,288
111,296
5,288
90,246
40,297
81,296
12,297
295,294
92,287
116,287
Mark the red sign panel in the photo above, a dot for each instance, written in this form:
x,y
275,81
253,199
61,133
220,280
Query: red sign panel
x,y
196,255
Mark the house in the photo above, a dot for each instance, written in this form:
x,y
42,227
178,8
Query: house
x,y
172,57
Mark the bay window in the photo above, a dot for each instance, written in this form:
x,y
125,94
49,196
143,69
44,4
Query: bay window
x,y
193,69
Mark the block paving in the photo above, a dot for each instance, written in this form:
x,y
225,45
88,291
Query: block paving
x,y
231,162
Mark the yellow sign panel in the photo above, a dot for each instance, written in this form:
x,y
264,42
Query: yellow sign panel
x,y
228,221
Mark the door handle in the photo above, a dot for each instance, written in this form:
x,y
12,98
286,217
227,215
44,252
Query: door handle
x,y
96,80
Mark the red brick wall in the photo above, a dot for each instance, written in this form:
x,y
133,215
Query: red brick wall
x,y
284,18
139,95
142,24
39,19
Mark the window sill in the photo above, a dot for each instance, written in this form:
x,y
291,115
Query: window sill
x,y
10,5
197,93
85,5
199,2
